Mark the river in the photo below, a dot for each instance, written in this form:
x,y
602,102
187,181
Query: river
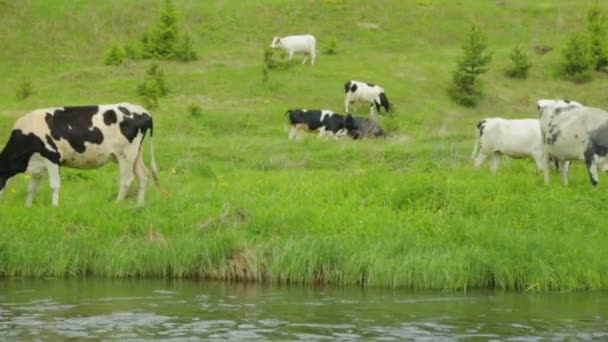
x,y
187,310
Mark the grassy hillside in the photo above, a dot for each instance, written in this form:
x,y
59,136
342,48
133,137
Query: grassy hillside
x,y
246,203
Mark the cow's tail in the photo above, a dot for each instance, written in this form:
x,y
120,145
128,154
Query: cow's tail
x,y
153,166
478,134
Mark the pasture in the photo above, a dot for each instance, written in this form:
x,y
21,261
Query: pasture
x,y
244,203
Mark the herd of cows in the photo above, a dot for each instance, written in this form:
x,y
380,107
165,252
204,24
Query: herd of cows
x,y
87,137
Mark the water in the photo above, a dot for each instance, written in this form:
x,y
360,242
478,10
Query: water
x,y
137,310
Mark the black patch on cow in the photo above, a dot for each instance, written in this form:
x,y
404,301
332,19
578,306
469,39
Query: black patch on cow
x,y
311,118
75,124
480,126
598,140
384,102
139,123
359,128
124,110
553,133
371,85
347,86
16,155
110,117
50,141
353,88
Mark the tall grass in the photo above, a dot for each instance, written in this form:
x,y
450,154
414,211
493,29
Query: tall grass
x,y
245,204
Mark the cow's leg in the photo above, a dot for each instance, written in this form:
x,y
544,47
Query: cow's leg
x,y
545,160
142,174
481,157
346,103
54,181
305,57
564,166
496,157
313,55
292,133
290,55
591,162
126,166
33,186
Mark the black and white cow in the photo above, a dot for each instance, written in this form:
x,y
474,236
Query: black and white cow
x,y
356,91
326,122
83,137
574,133
360,128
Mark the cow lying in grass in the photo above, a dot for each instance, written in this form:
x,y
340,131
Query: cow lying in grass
x,y
306,44
516,138
326,122
78,137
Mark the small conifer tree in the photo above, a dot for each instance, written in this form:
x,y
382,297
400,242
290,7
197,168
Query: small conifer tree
x,y
161,41
473,62
597,29
115,56
578,61
153,87
520,63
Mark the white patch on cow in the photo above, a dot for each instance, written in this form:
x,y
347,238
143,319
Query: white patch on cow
x,y
306,44
326,112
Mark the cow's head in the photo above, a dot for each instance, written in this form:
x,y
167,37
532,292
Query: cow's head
x,y
276,42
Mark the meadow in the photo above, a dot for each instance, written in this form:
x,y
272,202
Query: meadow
x,y
245,204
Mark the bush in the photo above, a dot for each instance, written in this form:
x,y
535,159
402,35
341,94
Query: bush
x,y
578,61
153,87
473,62
184,51
331,47
161,41
597,28
195,110
521,64
115,56
24,90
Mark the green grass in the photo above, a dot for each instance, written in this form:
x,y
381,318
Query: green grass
x,y
244,203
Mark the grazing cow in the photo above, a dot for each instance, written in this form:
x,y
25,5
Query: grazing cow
x,y
360,128
326,122
516,138
303,43
365,92
79,137
574,133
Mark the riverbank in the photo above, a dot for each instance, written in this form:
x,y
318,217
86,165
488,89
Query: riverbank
x,y
246,204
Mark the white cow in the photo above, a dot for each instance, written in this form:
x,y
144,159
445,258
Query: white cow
x,y
302,43
356,91
575,133
83,137
516,138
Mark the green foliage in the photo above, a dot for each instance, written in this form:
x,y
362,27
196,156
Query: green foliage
x,y
332,46
161,41
578,61
195,110
597,29
24,90
520,63
184,50
116,55
473,62
153,86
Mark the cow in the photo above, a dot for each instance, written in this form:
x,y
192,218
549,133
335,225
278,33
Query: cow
x,y
82,137
574,133
360,128
301,43
324,121
516,138
356,91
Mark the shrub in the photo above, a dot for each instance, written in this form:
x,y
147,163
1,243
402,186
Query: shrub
x,y
184,51
597,28
115,56
472,63
521,64
161,41
195,110
24,90
578,61
153,87
331,47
